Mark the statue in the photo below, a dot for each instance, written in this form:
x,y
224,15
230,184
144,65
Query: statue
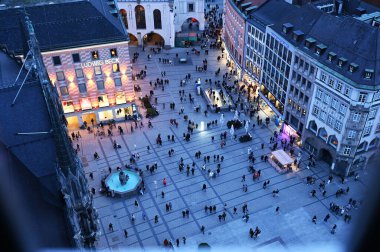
x,y
236,115
123,177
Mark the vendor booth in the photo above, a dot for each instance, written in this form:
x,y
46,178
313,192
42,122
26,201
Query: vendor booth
x,y
280,160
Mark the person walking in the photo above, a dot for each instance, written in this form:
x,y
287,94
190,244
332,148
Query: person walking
x,y
327,217
204,187
156,219
203,229
243,178
125,233
164,182
277,210
136,203
314,220
333,230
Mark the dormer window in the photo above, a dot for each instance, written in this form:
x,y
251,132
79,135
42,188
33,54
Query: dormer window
x,y
341,62
287,28
297,35
331,56
320,49
353,67
368,73
309,42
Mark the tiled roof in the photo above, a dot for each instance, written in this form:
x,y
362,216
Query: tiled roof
x,y
349,38
62,25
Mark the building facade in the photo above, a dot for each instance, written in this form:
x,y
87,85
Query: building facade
x,y
155,22
92,69
328,100
93,82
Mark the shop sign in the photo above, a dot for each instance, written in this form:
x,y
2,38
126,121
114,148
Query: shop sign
x,y
100,62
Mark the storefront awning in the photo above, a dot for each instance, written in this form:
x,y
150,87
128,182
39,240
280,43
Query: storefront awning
x,y
282,157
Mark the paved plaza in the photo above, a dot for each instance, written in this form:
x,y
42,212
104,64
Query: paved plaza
x,y
289,228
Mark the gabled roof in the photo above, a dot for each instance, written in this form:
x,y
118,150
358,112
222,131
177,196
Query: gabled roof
x,y
61,26
29,114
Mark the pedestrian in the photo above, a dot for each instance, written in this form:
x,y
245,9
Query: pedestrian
x,y
164,181
162,194
243,178
327,217
206,208
110,227
214,208
235,210
204,187
262,146
277,210
156,219
125,233
333,230
203,229
187,213
136,203
183,214
184,240
314,220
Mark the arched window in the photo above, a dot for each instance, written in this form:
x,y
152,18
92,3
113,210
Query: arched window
x,y
123,14
140,17
157,19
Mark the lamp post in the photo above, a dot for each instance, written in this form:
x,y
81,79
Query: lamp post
x,y
155,185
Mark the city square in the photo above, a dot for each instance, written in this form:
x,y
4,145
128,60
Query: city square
x,y
290,228
204,125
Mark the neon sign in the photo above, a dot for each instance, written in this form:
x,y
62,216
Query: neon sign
x,y
100,62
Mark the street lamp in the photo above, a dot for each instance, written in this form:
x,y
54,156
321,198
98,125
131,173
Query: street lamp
x,y
155,185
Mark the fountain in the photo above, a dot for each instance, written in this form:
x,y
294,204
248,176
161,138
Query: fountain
x,y
123,183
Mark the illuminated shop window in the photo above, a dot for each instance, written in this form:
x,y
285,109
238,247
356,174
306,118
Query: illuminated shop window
x,y
103,101
85,103
120,98
67,106
115,68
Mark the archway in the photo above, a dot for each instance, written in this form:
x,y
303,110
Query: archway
x,y
362,146
325,156
333,141
313,126
153,39
124,18
323,134
190,24
133,41
374,143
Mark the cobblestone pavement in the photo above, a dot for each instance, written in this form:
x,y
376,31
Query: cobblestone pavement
x,y
290,228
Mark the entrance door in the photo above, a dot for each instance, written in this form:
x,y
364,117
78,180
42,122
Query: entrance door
x,y
325,156
72,122
87,118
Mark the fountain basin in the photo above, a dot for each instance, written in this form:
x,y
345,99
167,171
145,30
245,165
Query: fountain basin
x,y
131,187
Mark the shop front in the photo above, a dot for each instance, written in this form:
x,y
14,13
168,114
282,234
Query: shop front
x,y
291,132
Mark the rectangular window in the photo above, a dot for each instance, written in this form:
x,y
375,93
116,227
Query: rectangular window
x,y
113,53
190,7
76,57
378,128
347,91
327,99
323,115
363,97
376,96
315,110
356,117
117,82
115,68
342,109
330,120
351,134
347,150
331,82
338,126
79,73
98,70
100,84
94,55
323,77
368,128
56,60
339,86
306,99
372,113
334,103
319,94
60,76
82,87
64,91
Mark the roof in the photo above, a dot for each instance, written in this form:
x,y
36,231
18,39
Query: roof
x,y
349,38
282,157
29,114
62,25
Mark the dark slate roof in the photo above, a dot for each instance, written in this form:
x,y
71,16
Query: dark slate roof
x,y
349,38
62,25
29,114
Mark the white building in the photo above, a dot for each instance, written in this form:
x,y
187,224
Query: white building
x,y
155,22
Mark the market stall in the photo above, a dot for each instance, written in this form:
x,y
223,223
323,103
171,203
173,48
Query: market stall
x,y
280,160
